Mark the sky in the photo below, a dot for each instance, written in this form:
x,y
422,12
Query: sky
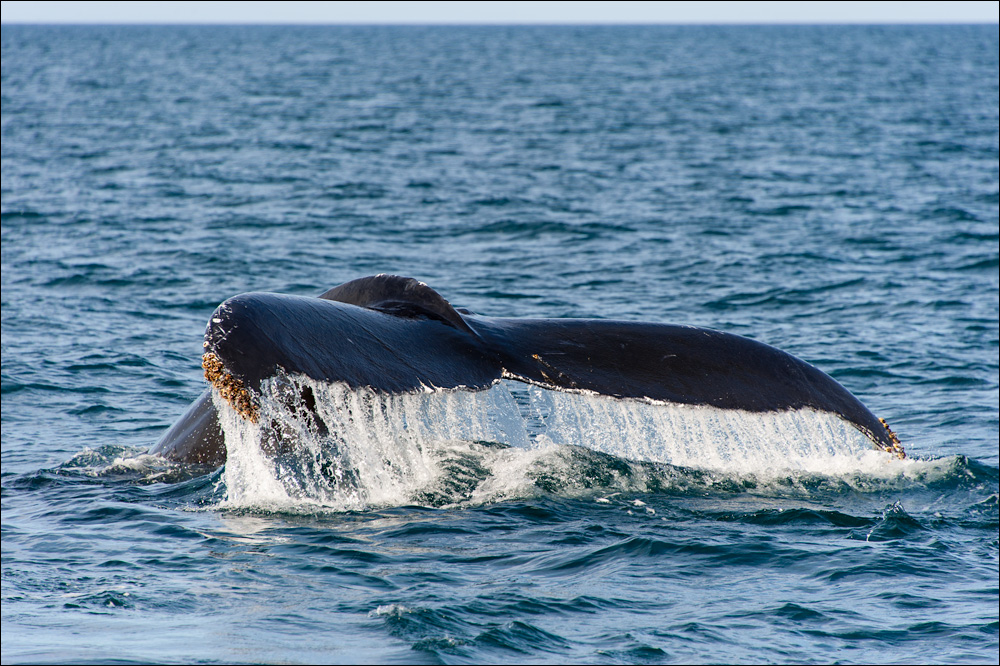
x,y
499,12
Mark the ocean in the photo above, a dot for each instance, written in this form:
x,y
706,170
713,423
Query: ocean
x,y
831,191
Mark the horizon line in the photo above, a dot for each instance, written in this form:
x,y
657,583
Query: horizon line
x,y
494,23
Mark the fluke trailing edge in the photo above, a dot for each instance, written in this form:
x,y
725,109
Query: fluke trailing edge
x,y
396,335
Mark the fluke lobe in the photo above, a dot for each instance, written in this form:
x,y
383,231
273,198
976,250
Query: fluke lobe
x,y
396,334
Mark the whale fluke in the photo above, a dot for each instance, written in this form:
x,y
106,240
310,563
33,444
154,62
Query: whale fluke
x,y
395,335
399,296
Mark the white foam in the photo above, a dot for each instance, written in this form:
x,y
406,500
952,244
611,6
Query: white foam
x,y
364,449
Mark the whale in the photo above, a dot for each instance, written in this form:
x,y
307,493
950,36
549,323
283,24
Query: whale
x,y
394,334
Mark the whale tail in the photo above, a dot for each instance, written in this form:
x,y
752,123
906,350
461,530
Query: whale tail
x,y
396,335
397,296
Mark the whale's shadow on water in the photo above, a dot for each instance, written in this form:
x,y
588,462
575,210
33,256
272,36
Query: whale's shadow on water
x,y
385,358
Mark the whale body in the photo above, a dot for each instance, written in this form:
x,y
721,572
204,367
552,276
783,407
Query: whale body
x,y
395,334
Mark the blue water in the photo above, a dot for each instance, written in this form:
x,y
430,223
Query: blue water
x,y
832,191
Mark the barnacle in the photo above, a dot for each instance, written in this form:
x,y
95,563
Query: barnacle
x,y
231,388
897,446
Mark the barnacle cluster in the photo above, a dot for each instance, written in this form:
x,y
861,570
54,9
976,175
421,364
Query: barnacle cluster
x,y
897,446
231,388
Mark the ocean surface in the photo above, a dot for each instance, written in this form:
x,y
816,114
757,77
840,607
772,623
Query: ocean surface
x,y
832,191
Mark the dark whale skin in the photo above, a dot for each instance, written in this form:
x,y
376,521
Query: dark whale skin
x,y
396,335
